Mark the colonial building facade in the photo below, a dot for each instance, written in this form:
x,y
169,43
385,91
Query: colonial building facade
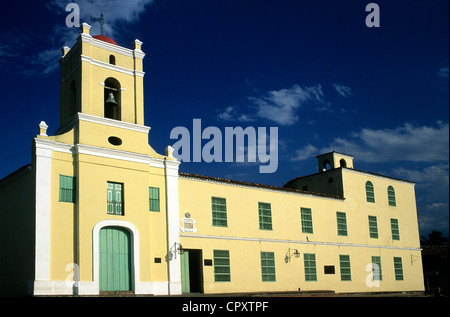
x,y
98,210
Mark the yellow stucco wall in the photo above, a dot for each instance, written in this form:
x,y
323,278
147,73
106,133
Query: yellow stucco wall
x,y
244,240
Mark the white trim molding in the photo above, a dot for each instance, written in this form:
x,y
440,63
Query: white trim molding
x,y
173,234
101,120
111,122
42,167
105,65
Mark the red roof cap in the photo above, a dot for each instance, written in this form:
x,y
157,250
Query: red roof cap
x,y
104,39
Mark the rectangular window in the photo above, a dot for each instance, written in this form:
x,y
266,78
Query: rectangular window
x,y
219,211
310,266
265,216
268,266
306,215
373,227
153,194
66,189
398,267
222,266
115,198
395,230
344,262
341,223
376,268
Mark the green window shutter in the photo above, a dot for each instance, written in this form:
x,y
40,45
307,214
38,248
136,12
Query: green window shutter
x,y
153,194
341,219
344,262
219,211
66,189
398,268
114,198
310,266
394,229
376,268
306,216
268,266
391,196
222,272
373,227
265,216
370,195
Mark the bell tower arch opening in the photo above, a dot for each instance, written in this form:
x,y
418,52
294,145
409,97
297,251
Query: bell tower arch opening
x,y
112,99
333,160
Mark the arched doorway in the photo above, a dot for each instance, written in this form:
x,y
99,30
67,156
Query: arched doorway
x,y
115,260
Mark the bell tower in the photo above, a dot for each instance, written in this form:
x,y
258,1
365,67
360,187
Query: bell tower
x,y
103,79
334,160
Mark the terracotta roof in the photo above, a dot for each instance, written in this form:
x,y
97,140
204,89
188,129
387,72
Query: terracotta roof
x,y
104,39
256,185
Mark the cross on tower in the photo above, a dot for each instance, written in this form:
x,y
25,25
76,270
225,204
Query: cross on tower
x,y
102,22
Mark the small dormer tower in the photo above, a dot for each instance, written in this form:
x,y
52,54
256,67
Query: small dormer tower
x,y
334,160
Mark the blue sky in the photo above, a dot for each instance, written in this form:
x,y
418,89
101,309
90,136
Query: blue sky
x,y
311,68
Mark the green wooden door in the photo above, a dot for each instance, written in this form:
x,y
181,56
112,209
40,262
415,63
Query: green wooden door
x,y
185,281
115,260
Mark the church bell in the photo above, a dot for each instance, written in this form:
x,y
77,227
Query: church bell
x,y
111,99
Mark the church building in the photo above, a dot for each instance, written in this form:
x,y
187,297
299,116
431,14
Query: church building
x,y
99,211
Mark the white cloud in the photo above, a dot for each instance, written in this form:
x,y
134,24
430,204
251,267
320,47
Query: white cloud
x,y
305,153
405,143
427,176
6,51
280,105
343,90
443,72
434,206
231,113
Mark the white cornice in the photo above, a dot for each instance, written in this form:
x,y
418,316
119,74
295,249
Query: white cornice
x,y
113,123
100,120
137,53
100,152
124,70
119,155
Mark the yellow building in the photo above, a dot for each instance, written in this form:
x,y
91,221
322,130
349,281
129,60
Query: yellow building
x,y
98,210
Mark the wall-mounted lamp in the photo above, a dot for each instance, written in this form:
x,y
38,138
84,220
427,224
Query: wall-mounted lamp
x,y
180,248
176,248
291,252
